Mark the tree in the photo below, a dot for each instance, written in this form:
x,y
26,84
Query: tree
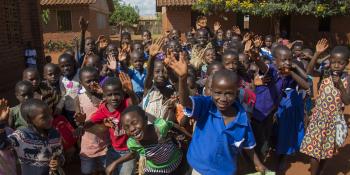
x,y
275,8
123,15
45,15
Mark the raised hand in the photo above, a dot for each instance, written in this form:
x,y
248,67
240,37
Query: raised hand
x,y
4,110
156,46
102,42
126,48
95,87
53,164
321,45
83,23
79,117
108,122
217,26
258,42
248,46
122,55
111,63
179,66
246,37
126,82
236,30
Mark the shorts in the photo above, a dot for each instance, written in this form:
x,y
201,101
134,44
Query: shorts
x,y
91,165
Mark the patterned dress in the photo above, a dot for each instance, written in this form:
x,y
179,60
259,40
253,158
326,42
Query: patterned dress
x,y
319,141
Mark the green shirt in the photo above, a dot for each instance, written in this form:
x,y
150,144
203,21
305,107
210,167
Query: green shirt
x,y
16,120
168,158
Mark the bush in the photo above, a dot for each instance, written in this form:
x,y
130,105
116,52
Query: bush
x,y
54,46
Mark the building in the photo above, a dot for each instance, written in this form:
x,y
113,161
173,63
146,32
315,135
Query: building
x,y
63,23
151,23
20,23
179,14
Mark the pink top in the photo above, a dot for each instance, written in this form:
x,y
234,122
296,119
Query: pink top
x,y
94,140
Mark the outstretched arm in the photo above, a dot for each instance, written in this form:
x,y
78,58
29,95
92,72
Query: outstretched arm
x,y
110,169
321,46
83,27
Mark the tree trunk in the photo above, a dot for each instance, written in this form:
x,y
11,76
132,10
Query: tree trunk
x,y
276,25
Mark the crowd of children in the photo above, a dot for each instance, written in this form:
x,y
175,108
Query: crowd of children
x,y
168,106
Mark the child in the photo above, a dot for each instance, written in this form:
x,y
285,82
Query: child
x,y
7,157
23,91
150,141
266,51
69,85
32,75
87,45
282,91
231,62
202,37
137,73
209,57
327,128
157,99
94,141
215,116
38,146
51,77
108,113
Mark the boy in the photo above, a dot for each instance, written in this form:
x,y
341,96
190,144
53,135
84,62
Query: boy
x,y
222,127
109,114
23,91
137,73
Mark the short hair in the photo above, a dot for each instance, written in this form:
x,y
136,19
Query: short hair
x,y
136,54
136,43
66,56
343,50
50,65
28,108
214,64
229,52
94,56
137,109
227,74
112,81
236,46
278,48
127,34
87,69
30,69
90,38
269,36
23,83
202,30
146,31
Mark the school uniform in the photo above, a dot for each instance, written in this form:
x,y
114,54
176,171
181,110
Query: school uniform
x,y
214,147
138,80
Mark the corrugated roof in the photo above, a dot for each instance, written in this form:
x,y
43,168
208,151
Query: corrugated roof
x,y
66,2
175,2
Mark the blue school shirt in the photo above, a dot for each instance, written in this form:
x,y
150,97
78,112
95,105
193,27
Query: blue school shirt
x,y
214,146
137,80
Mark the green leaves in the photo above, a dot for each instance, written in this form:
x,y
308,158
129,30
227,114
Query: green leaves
x,y
274,7
45,15
124,15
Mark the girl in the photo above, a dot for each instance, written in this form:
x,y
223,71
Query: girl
x,y
69,84
36,145
94,141
327,128
152,141
290,112
157,99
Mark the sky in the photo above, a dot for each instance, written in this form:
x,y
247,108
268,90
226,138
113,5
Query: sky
x,y
147,7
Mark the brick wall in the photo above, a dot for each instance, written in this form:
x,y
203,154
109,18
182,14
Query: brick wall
x,y
51,28
12,53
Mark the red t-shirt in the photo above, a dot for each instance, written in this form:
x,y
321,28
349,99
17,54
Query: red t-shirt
x,y
117,135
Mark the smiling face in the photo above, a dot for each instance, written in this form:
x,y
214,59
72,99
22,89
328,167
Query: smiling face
x,y
134,125
137,60
160,74
209,56
230,61
113,95
202,37
224,89
112,50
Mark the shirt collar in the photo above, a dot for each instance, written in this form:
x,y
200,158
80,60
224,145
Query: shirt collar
x,y
241,117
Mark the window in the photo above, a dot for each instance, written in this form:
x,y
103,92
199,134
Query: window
x,y
101,21
64,20
324,24
12,21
